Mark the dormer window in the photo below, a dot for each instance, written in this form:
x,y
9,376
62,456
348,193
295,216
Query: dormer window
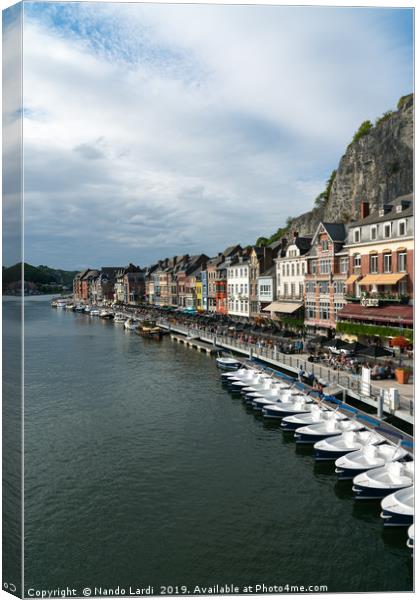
x,y
387,230
356,235
324,245
402,227
374,232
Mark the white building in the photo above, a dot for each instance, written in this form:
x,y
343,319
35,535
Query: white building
x,y
266,288
290,278
291,270
238,289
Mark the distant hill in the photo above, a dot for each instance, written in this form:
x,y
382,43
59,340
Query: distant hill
x,y
38,280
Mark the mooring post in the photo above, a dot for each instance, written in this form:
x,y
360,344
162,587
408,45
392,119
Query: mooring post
x,y
380,407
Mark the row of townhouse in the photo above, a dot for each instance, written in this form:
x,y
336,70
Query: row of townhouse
x,y
361,272
110,284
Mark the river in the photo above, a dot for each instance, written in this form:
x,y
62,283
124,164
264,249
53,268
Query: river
x,y
140,469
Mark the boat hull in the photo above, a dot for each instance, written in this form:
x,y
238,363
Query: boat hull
x,y
372,493
394,519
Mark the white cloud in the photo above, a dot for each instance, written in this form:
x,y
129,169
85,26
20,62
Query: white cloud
x,y
161,129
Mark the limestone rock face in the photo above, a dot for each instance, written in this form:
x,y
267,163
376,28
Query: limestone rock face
x,y
376,168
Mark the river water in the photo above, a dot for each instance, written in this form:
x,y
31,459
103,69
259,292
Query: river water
x,y
140,469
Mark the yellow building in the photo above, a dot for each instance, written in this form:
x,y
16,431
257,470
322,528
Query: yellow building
x,y
199,293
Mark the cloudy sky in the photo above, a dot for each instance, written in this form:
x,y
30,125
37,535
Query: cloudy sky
x,y
154,130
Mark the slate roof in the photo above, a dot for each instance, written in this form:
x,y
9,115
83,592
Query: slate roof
x,y
390,215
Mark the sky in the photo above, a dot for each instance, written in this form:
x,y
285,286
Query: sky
x,y
156,130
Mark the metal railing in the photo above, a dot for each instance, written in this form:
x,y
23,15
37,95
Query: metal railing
x,y
330,377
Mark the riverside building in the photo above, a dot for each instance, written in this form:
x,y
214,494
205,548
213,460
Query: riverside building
x,y
380,286
325,277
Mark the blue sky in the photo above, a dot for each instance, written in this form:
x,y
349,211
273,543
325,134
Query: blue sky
x,y
155,130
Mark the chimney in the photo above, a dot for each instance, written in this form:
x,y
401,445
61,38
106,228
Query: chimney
x,y
364,210
295,234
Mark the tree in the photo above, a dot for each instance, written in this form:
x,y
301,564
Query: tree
x,y
363,130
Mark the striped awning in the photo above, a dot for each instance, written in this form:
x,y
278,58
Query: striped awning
x,y
283,307
382,279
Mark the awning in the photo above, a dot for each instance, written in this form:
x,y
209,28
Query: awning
x,y
283,307
382,279
398,314
352,279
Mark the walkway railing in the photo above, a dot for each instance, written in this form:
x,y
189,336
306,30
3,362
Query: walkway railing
x,y
328,376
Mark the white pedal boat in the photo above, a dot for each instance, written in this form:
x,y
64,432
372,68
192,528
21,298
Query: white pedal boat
x,y
398,508
309,434
369,457
378,483
333,447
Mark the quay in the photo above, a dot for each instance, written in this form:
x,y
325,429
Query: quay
x,y
336,382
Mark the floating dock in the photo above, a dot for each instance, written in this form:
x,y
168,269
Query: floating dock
x,y
192,342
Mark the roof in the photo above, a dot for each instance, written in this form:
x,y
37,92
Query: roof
x,y
390,215
401,314
231,249
336,231
269,272
303,243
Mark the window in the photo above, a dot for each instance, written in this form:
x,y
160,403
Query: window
x,y
373,232
402,262
287,270
402,227
339,287
323,287
344,264
292,269
241,272
387,230
292,290
286,289
324,245
312,266
310,310
236,288
241,289
283,270
373,263
246,288
357,261
356,236
325,266
300,290
387,262
324,311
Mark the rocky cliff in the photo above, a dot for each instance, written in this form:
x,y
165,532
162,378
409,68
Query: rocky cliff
x,y
377,167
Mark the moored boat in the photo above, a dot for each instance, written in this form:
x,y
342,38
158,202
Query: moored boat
x,y
309,434
332,448
94,312
369,457
285,409
410,537
149,329
130,324
377,483
317,414
106,314
119,318
228,363
398,508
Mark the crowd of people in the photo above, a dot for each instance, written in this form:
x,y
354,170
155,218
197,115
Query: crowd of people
x,y
282,342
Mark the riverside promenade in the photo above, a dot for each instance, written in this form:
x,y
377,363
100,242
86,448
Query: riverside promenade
x,y
335,381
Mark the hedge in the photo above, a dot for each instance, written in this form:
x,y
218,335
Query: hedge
x,y
380,330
